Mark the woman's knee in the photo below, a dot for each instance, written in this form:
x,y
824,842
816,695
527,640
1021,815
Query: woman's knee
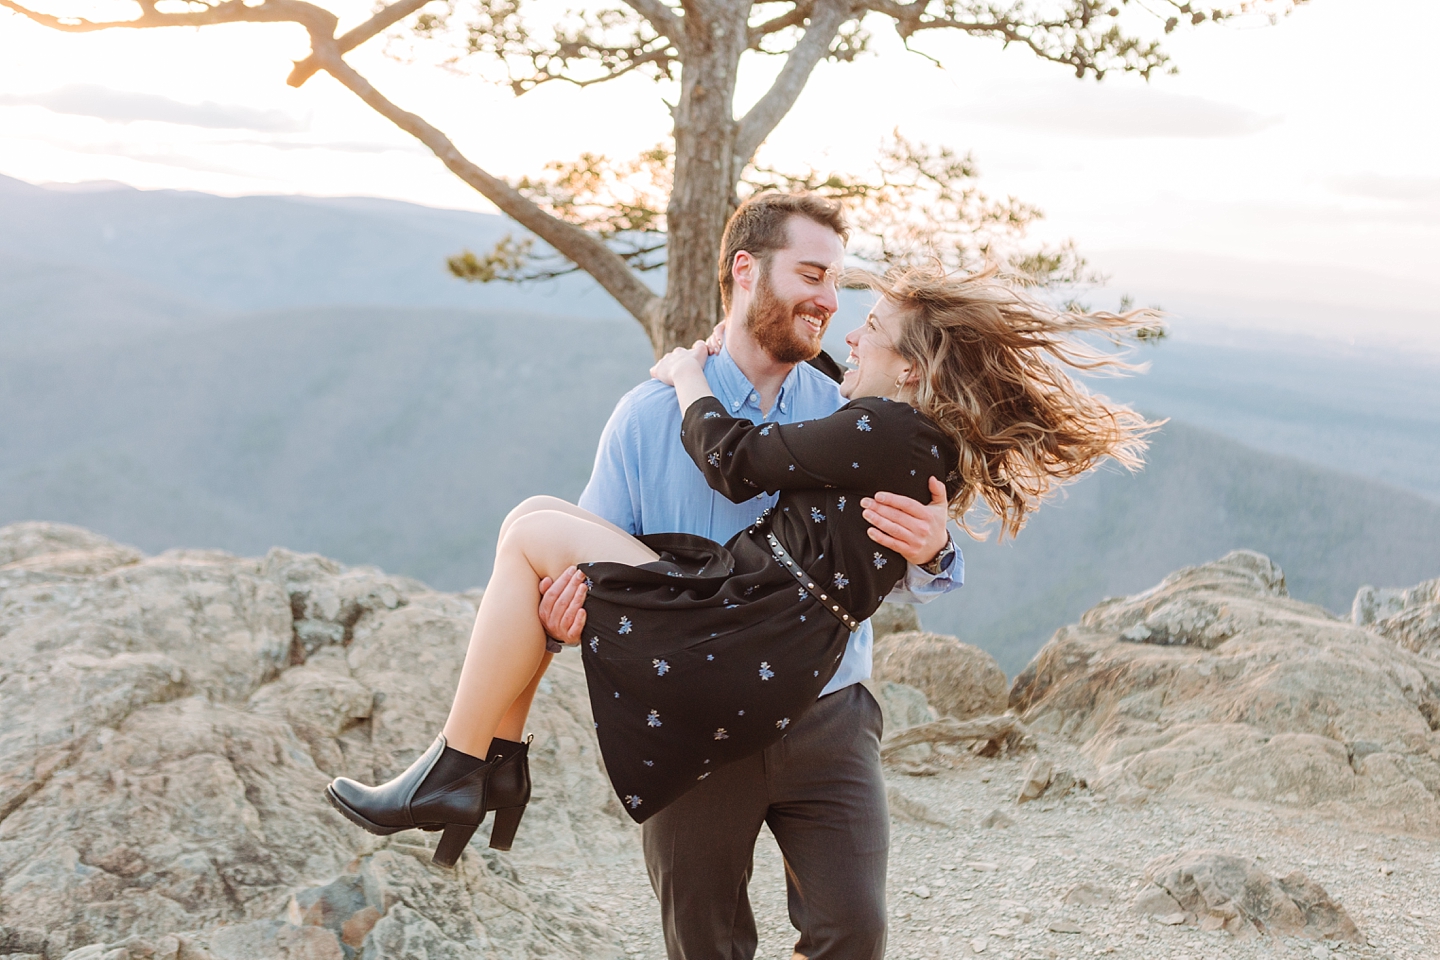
x,y
534,535
528,506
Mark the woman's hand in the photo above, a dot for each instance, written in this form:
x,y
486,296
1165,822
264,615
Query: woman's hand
x,y
679,361
716,339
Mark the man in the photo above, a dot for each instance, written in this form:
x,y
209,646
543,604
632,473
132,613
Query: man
x,y
820,789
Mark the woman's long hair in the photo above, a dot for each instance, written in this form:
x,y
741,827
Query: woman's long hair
x,y
992,365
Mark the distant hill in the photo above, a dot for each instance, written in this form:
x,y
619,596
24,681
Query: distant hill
x,y
256,253
402,437
395,437
1199,496
1368,412
178,369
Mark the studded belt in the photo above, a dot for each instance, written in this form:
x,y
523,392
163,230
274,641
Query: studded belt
x,y
808,582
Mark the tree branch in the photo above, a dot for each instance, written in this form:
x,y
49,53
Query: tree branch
x,y
825,22
998,732
589,253
383,19
663,19
313,18
793,17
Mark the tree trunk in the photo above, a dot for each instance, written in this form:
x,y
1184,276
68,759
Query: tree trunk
x,y
705,130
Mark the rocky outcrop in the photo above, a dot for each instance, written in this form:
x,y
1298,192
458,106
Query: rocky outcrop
x,y
901,705
1216,683
957,679
1218,891
168,726
894,618
1409,617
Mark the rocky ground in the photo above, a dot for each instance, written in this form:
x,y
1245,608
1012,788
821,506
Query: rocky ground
x,y
963,890
1211,770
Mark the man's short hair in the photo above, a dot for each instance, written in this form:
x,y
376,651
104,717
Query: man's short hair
x,y
760,226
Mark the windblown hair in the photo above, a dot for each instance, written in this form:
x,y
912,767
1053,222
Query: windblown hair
x,y
761,225
992,365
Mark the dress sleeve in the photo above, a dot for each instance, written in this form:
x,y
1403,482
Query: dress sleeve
x,y
854,447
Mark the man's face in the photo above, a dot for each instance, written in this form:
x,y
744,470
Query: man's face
x,y
795,294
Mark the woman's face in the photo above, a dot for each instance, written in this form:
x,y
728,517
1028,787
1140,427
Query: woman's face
x,y
875,366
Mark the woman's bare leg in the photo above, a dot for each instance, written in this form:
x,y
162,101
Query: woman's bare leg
x,y
512,725
507,646
536,504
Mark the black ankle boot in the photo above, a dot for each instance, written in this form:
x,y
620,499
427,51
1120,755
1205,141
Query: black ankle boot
x,y
509,788
408,802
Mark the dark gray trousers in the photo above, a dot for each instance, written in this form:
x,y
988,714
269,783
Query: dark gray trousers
x,y
821,791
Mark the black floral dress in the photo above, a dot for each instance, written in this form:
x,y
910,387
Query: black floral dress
x,y
708,654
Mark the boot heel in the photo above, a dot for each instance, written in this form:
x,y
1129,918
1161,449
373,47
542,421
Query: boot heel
x,y
507,821
452,843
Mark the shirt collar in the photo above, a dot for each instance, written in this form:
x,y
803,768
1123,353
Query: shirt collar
x,y
736,392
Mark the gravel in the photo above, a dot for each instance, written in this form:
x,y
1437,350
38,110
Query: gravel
x,y
964,890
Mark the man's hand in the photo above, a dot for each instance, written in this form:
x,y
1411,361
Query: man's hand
x,y
912,529
562,606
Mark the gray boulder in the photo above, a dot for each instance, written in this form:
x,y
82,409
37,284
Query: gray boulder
x,y
894,618
1214,891
167,727
958,680
1215,683
1410,617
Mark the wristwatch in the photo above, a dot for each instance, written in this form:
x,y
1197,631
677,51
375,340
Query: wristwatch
x,y
941,561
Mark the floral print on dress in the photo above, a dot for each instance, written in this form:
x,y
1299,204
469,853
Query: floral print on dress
x,y
765,672
816,515
764,431
841,504
713,459
648,763
782,723
633,801
625,625
661,667
721,734
594,644
879,560
654,719
841,582
803,594
703,776
863,424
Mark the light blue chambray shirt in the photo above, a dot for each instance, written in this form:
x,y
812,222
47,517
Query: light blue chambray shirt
x,y
645,482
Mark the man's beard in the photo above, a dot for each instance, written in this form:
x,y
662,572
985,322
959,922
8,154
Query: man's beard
x,y
771,322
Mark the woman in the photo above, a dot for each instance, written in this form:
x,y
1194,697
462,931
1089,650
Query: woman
x,y
697,654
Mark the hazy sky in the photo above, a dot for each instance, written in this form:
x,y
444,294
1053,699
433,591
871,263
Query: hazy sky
x,y
1294,164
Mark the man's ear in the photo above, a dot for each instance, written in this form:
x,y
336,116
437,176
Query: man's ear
x,y
743,270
